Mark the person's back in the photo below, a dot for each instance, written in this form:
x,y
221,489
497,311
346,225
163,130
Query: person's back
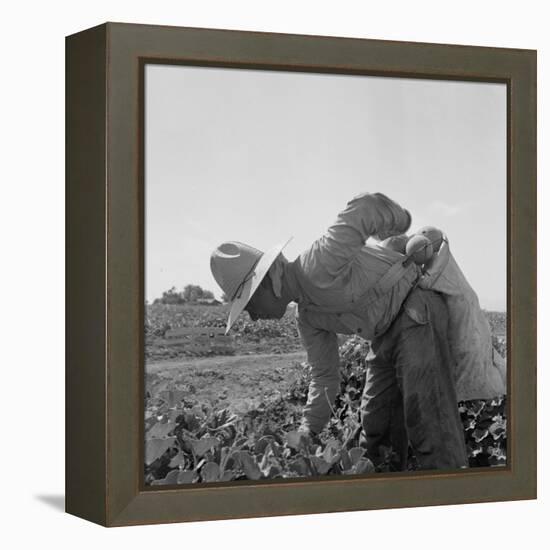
x,y
341,274
342,285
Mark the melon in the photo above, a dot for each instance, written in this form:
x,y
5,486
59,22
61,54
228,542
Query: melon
x,y
420,249
434,235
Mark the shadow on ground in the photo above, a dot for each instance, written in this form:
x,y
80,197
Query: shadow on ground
x,y
56,502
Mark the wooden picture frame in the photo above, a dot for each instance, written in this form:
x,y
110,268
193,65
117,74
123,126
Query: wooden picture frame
x,y
105,305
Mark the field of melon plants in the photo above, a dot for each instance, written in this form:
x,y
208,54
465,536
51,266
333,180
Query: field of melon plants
x,y
196,432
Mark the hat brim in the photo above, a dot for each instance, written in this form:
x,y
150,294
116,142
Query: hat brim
x,y
259,272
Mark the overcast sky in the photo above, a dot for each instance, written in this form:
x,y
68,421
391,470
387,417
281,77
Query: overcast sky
x,y
259,156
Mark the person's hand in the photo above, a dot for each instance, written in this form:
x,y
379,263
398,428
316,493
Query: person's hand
x,y
400,226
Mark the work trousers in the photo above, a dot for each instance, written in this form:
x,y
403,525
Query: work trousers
x,y
409,394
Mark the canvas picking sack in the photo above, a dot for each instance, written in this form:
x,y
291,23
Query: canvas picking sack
x,y
480,369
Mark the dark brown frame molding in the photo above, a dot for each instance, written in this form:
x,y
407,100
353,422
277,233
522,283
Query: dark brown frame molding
x,y
105,294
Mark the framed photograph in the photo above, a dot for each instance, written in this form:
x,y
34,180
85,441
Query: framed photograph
x,y
301,274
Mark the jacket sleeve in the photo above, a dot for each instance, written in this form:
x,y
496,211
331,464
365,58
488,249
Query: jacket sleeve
x,y
322,355
367,215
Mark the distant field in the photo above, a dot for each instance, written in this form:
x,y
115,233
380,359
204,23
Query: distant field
x,y
497,320
250,337
264,337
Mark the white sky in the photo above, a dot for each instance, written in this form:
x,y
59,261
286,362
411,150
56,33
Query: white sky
x,y
258,156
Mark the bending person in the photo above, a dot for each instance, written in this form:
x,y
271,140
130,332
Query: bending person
x,y
344,286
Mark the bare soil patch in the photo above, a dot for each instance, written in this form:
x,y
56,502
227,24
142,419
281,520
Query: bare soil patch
x,y
240,382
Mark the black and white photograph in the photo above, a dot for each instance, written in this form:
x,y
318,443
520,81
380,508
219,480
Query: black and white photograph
x,y
273,274
325,275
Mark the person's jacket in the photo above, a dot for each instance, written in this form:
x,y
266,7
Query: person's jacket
x,y
480,369
345,286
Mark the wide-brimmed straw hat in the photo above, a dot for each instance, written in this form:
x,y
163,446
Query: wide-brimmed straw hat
x,y
239,269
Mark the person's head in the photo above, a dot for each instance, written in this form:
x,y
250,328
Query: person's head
x,y
242,273
269,301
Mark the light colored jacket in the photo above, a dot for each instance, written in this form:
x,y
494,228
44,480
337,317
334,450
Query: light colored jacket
x,y
480,369
344,286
